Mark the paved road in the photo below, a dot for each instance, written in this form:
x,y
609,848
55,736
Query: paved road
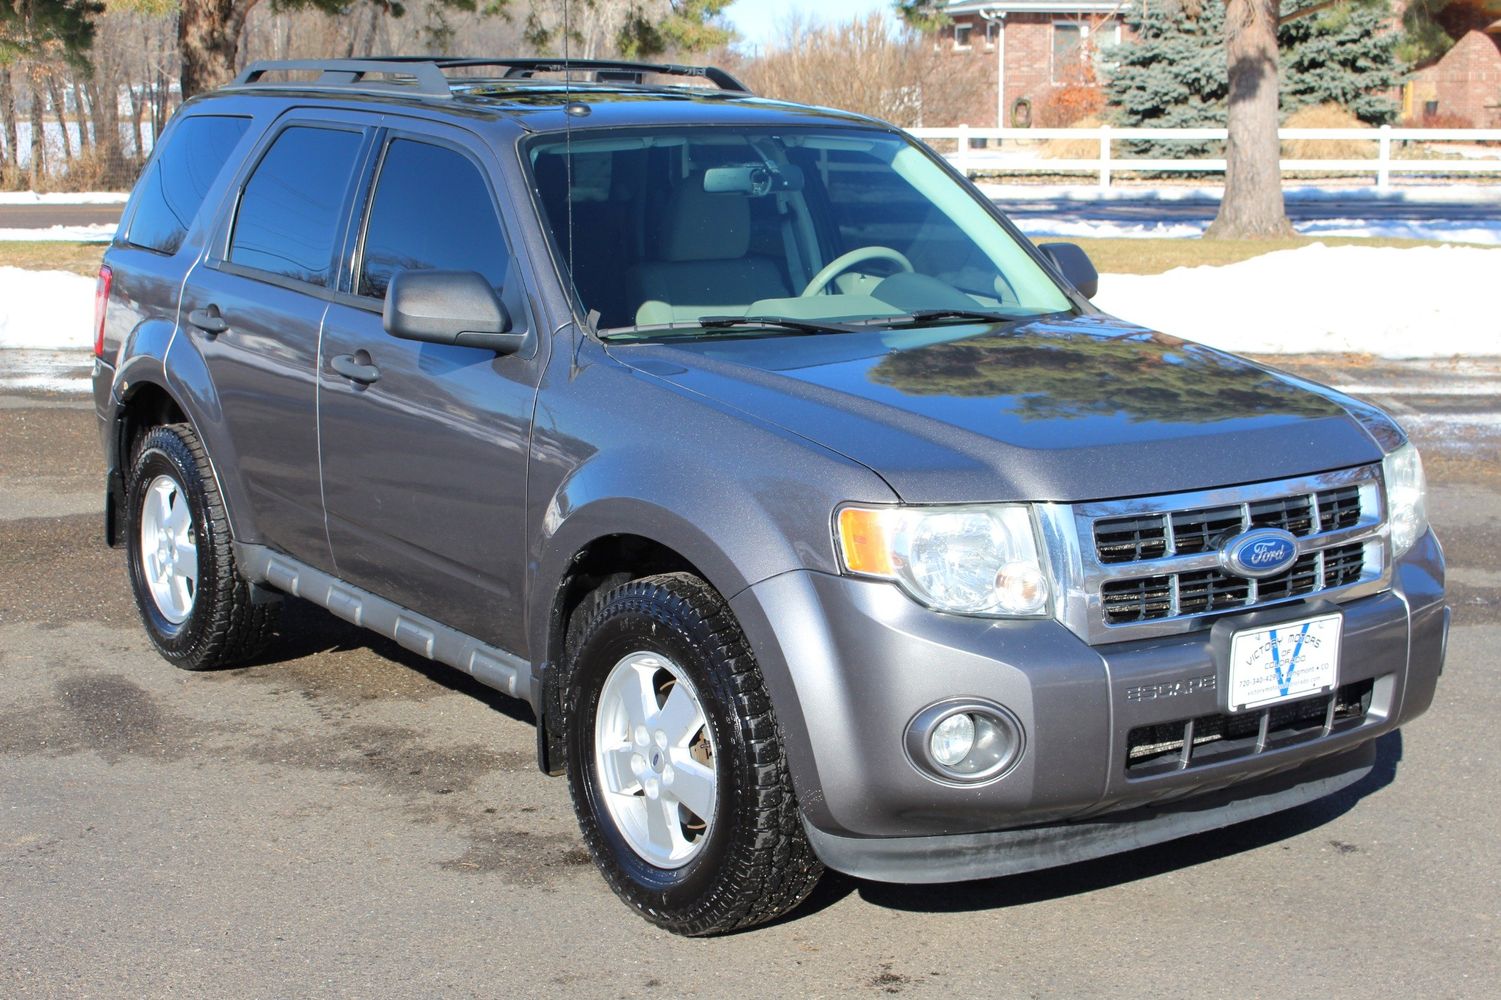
x,y
47,216
343,819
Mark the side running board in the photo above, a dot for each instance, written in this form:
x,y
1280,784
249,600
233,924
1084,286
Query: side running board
x,y
492,667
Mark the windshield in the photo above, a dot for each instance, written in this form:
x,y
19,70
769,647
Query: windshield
x,y
716,232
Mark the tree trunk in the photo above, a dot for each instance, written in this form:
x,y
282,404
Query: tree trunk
x,y
137,109
1252,207
104,103
38,164
60,109
208,39
81,110
8,117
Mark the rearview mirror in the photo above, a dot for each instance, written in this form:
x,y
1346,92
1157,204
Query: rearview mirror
x,y
1075,265
449,307
754,179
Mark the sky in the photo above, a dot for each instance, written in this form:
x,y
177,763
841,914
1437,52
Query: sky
x,y
757,20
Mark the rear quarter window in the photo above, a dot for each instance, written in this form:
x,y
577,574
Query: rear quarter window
x,y
290,212
173,190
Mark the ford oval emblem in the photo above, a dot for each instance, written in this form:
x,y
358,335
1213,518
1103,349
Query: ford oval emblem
x,y
1259,553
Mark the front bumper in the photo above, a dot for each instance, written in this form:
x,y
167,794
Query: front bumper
x,y
849,663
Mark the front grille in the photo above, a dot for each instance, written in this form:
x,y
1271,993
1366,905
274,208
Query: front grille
x,y
1152,566
1201,592
1145,536
1175,746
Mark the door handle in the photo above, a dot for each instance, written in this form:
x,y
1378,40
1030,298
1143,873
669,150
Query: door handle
x,y
350,367
208,320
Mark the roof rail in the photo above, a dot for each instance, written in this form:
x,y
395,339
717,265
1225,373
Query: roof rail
x,y
604,70
408,77
422,76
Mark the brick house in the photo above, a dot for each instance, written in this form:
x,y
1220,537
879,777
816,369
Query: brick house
x,y
1464,84
1029,48
1024,50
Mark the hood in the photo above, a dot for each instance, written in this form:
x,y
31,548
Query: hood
x,y
1081,408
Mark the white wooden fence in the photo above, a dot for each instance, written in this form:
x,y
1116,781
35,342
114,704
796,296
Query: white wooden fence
x,y
1019,150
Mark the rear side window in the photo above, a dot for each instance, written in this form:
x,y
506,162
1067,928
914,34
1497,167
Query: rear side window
x,y
432,209
290,211
174,188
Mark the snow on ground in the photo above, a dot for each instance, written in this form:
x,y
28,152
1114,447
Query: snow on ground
x,y
64,198
101,233
1423,302
46,310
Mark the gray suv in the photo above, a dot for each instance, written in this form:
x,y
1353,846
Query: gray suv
x,y
816,514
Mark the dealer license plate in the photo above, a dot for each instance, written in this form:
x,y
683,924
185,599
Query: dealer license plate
x,y
1283,662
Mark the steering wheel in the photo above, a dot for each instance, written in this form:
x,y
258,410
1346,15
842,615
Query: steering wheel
x,y
844,262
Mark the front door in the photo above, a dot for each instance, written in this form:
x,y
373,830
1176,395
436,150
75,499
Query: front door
x,y
424,467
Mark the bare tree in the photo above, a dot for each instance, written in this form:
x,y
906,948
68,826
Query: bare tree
x,y
866,65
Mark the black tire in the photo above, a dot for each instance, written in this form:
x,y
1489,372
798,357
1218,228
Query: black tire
x,y
225,625
756,863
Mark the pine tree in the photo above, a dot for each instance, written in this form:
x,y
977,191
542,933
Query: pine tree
x,y
1172,75
1344,55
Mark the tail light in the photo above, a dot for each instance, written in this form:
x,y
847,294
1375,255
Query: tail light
x,y
101,303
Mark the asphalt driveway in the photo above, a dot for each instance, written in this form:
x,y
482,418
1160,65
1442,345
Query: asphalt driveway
x,y
343,819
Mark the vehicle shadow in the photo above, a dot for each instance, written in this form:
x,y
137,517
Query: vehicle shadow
x,y
307,630
1103,873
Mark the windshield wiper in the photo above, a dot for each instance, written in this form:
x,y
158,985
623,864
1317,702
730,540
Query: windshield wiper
x,y
690,328
775,323
919,316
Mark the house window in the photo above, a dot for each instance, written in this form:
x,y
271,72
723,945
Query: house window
x,y
962,32
1074,41
991,30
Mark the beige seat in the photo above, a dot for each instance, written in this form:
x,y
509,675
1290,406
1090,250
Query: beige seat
x,y
702,266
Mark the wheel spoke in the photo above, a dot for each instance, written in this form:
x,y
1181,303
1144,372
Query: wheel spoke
x,y
618,774
178,518
679,718
161,499
693,785
187,558
662,824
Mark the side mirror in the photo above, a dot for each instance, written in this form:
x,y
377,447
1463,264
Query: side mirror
x,y
1075,265
449,307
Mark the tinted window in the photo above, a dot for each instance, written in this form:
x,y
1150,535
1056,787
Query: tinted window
x,y
175,186
290,211
431,209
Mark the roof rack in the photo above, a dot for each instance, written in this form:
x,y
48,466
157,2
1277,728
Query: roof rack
x,y
422,76
416,78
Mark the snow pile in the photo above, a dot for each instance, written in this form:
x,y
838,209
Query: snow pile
x,y
1451,230
1423,302
99,233
46,310
64,198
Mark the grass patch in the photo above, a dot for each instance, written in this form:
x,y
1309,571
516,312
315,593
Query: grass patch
x,y
40,255
1153,256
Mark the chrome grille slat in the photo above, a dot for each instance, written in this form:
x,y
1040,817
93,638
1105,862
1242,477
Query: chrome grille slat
x,y
1177,579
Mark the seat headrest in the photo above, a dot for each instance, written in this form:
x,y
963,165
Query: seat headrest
x,y
701,226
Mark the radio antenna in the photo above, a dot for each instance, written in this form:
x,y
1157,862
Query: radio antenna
x,y
568,113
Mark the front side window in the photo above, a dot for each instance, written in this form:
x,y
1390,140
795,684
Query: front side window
x,y
961,35
173,189
693,231
431,209
290,212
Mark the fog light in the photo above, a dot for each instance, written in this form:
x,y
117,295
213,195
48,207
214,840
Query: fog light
x,y
966,741
953,739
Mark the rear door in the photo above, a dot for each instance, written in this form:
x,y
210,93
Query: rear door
x,y
424,468
255,310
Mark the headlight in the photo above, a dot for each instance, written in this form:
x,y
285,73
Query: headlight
x,y
1406,498
979,559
